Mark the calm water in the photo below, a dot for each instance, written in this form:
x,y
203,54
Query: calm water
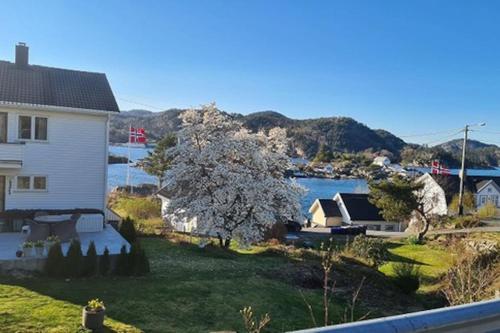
x,y
317,187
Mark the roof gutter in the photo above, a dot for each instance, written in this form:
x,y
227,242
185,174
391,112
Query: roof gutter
x,y
52,108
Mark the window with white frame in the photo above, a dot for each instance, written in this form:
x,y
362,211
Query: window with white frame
x,y
32,128
31,183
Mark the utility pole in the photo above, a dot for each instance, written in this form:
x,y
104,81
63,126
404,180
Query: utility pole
x,y
463,174
463,170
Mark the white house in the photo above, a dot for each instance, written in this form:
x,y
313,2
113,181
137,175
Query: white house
x,y
356,209
381,161
350,209
440,190
487,191
53,140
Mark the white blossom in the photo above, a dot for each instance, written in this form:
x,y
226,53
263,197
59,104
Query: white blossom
x,y
229,180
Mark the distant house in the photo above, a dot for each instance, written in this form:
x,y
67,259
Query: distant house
x,y
381,161
443,188
350,209
325,213
356,209
181,225
328,169
487,191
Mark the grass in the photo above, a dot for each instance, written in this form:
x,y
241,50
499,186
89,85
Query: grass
x,y
189,290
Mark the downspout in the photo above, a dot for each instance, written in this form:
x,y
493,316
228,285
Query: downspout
x,y
106,149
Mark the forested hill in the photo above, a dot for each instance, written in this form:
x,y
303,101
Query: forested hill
x,y
307,136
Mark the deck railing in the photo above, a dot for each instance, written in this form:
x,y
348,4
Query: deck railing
x,y
480,317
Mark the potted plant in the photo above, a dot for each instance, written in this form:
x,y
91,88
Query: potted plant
x,y
28,249
93,314
39,245
51,240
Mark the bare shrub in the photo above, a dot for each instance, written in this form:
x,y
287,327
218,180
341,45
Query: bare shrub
x,y
251,325
470,279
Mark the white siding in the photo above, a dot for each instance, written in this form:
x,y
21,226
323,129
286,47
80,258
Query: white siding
x,y
73,159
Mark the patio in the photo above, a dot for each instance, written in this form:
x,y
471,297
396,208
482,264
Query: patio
x,y
10,242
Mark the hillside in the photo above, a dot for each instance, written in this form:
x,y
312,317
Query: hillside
x,y
307,136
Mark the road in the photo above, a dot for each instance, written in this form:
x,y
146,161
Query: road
x,y
394,234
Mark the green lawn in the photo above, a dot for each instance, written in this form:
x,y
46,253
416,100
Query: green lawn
x,y
189,290
432,262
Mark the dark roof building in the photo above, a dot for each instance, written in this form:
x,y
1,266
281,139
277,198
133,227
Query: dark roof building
x,y
360,208
330,208
22,83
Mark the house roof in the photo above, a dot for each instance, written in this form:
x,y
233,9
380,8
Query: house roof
x,y
451,184
330,207
359,208
482,184
39,85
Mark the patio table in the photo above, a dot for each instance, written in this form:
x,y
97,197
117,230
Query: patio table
x,y
53,220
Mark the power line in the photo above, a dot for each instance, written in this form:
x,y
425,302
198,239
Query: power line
x,y
443,139
141,104
430,134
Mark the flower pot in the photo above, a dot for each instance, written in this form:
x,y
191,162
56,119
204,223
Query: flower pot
x,y
93,320
28,251
39,251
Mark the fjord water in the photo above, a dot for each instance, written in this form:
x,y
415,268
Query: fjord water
x,y
316,187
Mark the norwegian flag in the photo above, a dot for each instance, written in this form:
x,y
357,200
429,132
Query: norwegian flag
x,y
137,135
141,136
438,169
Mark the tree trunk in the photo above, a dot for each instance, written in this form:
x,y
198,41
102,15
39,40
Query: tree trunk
x,y
227,243
422,233
224,243
221,241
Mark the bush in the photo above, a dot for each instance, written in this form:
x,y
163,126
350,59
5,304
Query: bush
x,y
468,203
277,231
373,249
413,240
488,211
468,221
138,208
55,261
407,277
73,262
139,263
127,230
90,261
122,264
104,263
470,279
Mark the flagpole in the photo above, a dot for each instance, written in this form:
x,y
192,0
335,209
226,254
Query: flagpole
x,y
128,159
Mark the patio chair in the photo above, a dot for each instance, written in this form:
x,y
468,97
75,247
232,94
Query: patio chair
x,y
66,230
37,231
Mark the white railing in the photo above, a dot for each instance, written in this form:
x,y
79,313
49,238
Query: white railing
x,y
480,317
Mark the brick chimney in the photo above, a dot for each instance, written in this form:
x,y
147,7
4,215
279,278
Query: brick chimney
x,y
22,55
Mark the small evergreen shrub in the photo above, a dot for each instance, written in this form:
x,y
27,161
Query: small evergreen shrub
x,y
73,262
104,263
55,261
413,240
138,261
467,221
122,263
373,249
407,277
90,261
127,230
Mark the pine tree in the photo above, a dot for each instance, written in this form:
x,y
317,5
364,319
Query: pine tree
x,y
90,261
55,261
127,230
104,263
158,162
74,260
141,263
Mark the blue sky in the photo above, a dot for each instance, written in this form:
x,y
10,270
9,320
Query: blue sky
x,y
409,67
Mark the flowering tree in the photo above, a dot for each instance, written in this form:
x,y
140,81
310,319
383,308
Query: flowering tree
x,y
228,179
